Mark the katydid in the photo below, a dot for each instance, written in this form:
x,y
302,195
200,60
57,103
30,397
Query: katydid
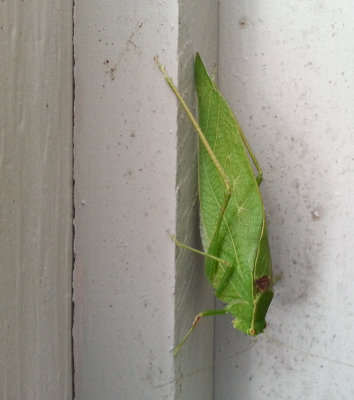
x,y
233,223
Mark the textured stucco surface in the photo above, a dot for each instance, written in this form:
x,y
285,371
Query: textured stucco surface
x,y
125,173
35,199
287,70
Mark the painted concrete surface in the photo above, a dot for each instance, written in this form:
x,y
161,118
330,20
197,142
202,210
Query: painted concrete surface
x,y
36,200
287,70
124,149
130,144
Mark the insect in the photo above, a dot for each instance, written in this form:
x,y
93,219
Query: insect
x,y
233,222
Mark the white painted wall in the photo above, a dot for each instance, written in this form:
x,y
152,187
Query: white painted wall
x,y
124,266
35,199
287,70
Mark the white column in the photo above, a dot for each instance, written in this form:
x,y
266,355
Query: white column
x,y
287,70
35,199
135,178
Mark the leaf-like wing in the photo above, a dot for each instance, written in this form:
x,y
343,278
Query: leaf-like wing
x,y
241,231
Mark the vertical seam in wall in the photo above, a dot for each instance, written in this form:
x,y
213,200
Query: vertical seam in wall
x,y
217,44
73,206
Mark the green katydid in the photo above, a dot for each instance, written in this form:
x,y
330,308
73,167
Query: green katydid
x,y
233,223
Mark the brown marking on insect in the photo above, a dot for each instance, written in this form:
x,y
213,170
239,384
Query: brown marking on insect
x,y
263,283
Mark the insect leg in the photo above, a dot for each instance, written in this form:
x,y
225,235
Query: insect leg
x,y
206,313
259,176
196,127
184,246
229,267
